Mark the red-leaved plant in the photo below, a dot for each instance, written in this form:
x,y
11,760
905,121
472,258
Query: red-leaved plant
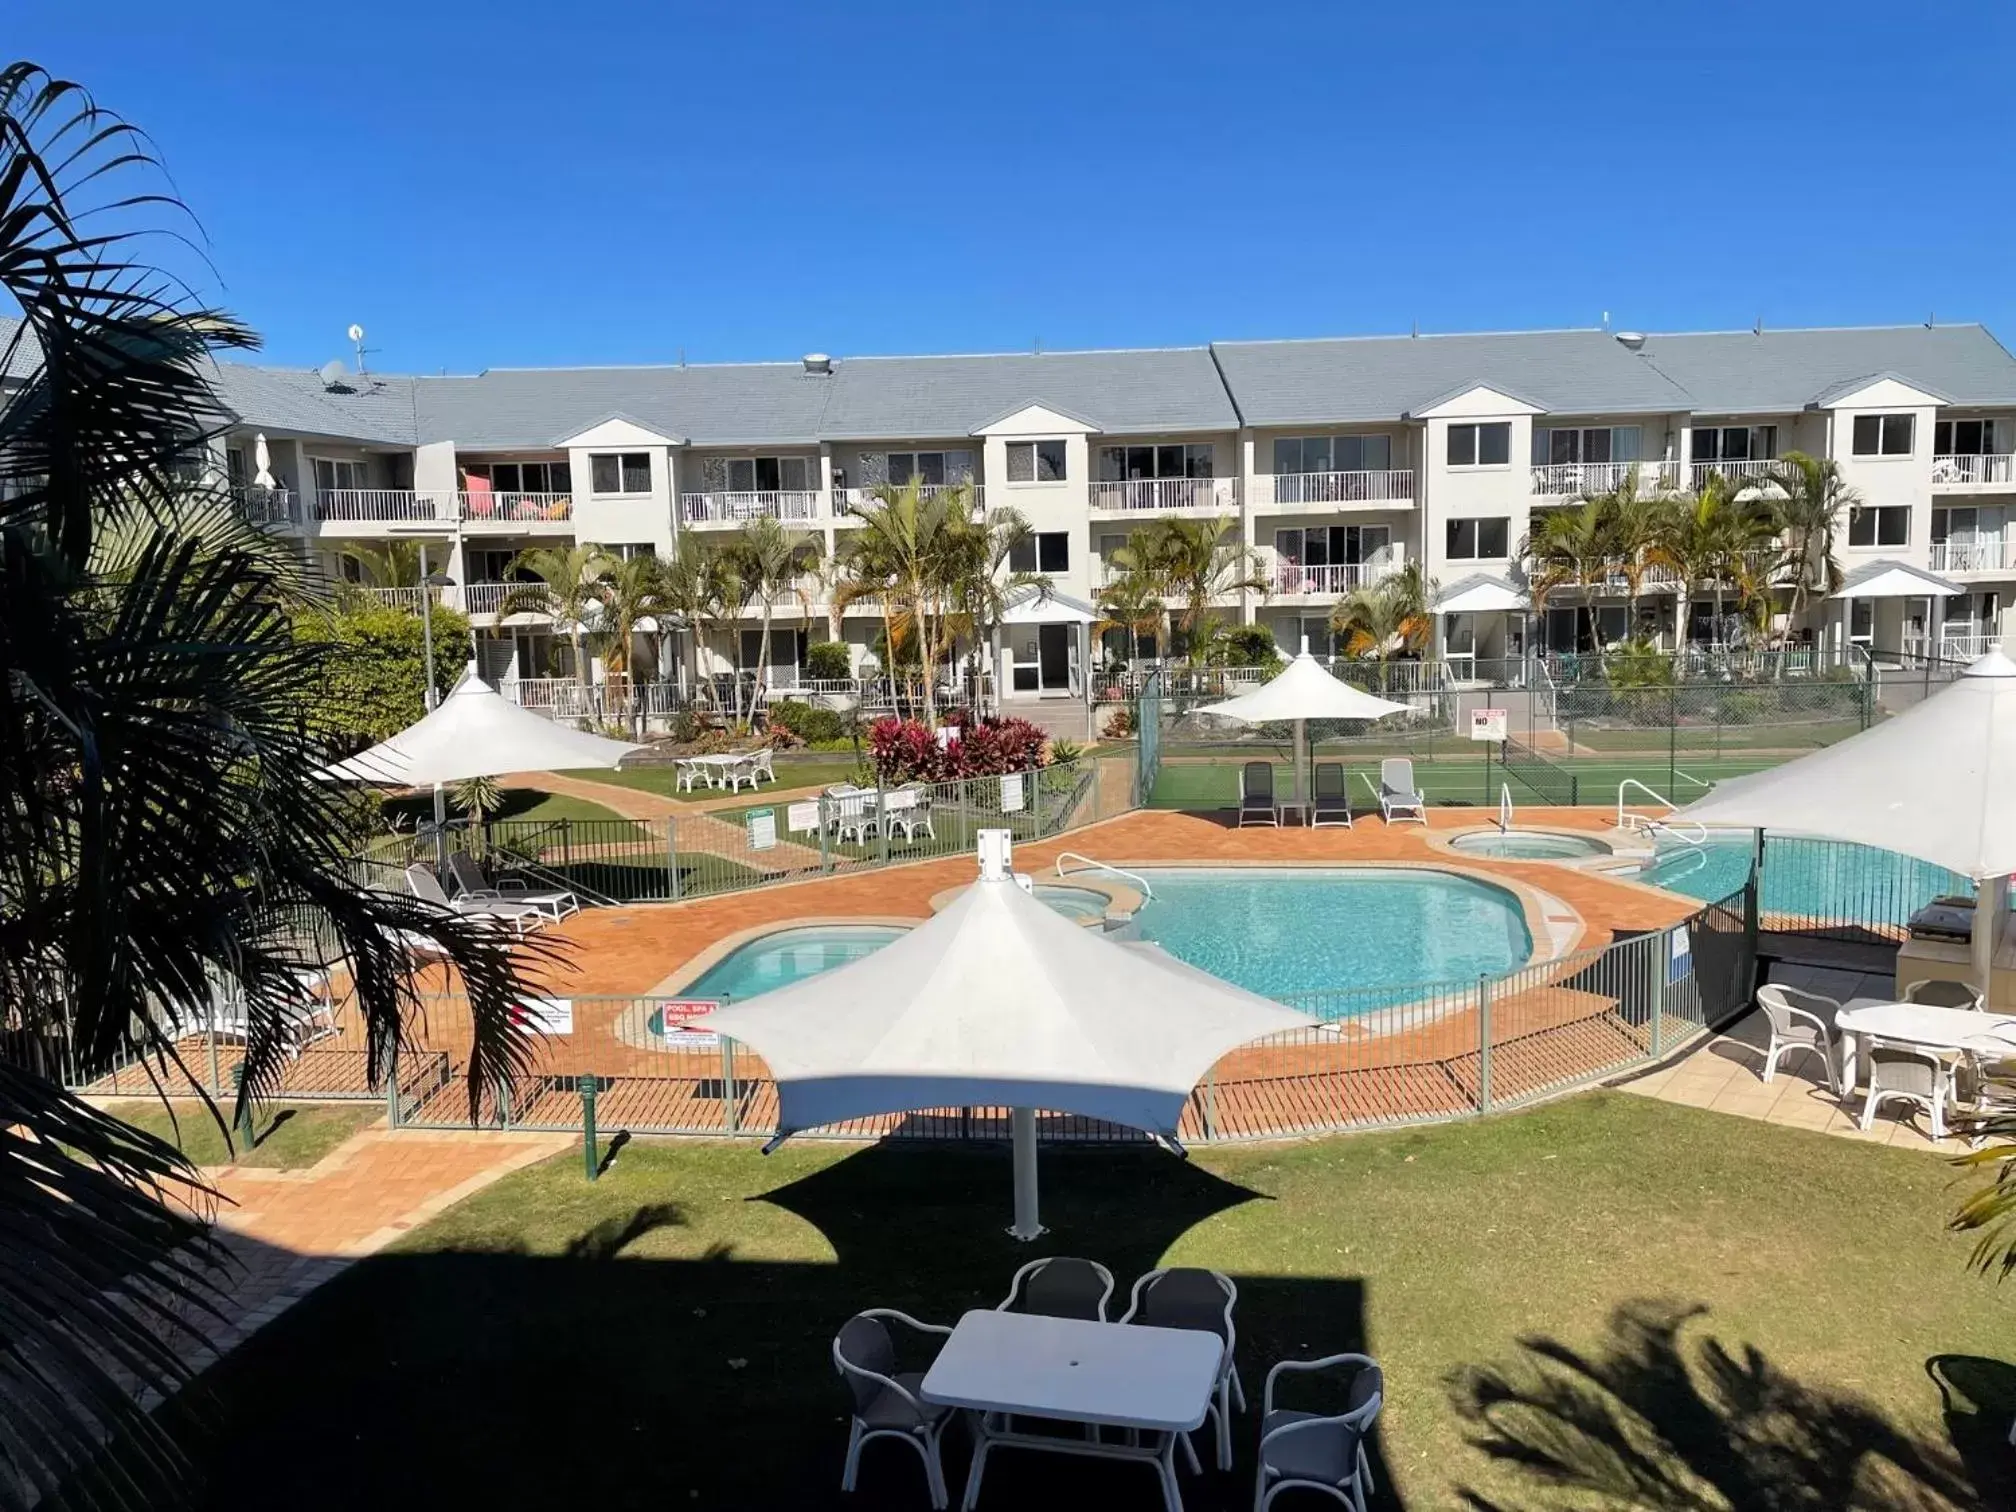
x,y
906,750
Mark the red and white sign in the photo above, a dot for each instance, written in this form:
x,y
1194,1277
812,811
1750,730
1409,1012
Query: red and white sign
x,y
545,1016
1489,724
678,1013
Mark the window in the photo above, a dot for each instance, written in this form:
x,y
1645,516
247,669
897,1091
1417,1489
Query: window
x,y
1734,443
537,477
620,472
1883,435
1123,464
1478,540
234,466
331,473
1596,444
931,468
1880,525
1333,545
1042,551
1964,438
757,474
1035,461
1321,454
1487,445
628,550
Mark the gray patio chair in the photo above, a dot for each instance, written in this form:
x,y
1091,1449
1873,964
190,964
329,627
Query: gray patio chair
x,y
1060,1287
471,886
1329,802
521,918
1801,1021
886,1401
1399,798
1912,1075
1941,993
1256,795
1323,1453
1202,1300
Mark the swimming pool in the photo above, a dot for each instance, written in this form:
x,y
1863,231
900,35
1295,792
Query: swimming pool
x,y
1282,931
1529,845
785,956
1818,879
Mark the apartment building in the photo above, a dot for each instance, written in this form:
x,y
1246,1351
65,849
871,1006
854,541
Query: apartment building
x,y
1339,460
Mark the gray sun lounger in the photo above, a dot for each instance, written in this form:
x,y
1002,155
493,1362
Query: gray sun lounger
x,y
1256,795
1399,798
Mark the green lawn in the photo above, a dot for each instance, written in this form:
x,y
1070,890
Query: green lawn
x,y
817,770
287,1137
660,1338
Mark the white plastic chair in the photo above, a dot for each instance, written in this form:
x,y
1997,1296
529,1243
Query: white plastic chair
x,y
1322,1453
1399,798
760,766
1914,1075
686,771
1809,1028
908,809
886,1402
1201,1300
854,813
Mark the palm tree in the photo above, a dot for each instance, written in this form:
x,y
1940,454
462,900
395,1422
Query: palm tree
x,y
904,541
1568,547
978,579
769,562
164,832
1131,602
389,564
1708,536
1814,504
695,585
1201,560
628,595
1633,526
1389,615
569,589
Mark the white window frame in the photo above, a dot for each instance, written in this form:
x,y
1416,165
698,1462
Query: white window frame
x,y
1476,524
1951,428
618,458
947,471
1760,442
1364,438
1877,514
753,460
1033,542
339,468
1543,444
1883,424
1189,453
1035,446
1477,429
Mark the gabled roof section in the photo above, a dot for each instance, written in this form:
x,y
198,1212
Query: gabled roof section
x,y
1890,578
1363,380
1479,593
1475,399
620,429
1034,419
1782,372
1170,390
1902,390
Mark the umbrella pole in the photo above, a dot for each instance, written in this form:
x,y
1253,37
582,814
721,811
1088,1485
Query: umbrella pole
x,y
1022,1127
1301,766
440,830
1991,899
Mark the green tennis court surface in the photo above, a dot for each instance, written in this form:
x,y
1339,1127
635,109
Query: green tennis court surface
x,y
1192,783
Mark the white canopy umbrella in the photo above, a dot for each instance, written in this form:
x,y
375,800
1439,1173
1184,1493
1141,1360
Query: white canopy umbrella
x,y
1306,690
262,461
999,1000
1937,782
476,732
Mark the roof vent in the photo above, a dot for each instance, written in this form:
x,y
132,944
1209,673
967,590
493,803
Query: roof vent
x,y
1635,340
817,362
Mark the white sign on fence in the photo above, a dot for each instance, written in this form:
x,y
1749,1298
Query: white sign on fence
x,y
677,1013
802,818
762,829
545,1016
1488,724
1011,793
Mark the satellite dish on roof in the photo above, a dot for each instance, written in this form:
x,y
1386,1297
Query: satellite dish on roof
x,y
356,332
331,373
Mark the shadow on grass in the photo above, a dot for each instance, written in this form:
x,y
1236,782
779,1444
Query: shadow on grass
x,y
1666,1418
594,1377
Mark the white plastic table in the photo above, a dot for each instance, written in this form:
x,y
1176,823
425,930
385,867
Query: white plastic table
x,y
1923,1024
1155,1380
716,771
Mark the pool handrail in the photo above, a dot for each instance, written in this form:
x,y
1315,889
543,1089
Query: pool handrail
x,y
1626,820
1504,808
1091,865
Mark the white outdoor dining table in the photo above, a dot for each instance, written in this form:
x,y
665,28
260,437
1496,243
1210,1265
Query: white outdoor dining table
x,y
1923,1024
1156,1380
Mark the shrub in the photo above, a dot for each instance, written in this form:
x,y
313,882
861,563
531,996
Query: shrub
x,y
907,750
807,723
373,670
1249,646
828,661
1064,750
1119,724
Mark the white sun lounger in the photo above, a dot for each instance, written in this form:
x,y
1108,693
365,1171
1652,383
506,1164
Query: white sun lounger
x,y
521,917
1399,798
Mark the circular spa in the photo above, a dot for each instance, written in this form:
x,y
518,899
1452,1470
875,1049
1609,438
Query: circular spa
x,y
1079,904
1528,845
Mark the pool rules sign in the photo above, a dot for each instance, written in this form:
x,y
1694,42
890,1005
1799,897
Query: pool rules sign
x,y
1489,724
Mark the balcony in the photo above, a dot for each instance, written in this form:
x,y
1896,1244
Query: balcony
x,y
488,598
408,599
1698,473
1955,472
850,503
264,506
383,505
486,507
1387,486
1292,580
1165,495
1973,556
732,508
1575,479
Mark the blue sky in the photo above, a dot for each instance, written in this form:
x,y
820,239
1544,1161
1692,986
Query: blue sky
x,y
495,182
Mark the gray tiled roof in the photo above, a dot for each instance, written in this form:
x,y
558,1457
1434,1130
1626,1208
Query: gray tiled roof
x,y
22,360
1778,372
731,404
1171,389
1386,377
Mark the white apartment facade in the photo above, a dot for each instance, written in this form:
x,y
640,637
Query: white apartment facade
x,y
1338,461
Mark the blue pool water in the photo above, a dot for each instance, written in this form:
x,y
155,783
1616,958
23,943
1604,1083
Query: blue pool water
x,y
1821,879
787,956
1298,930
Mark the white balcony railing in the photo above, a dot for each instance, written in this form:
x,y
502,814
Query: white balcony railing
x,y
264,506
488,598
850,502
401,598
1161,495
1699,473
1384,486
775,504
1964,471
1964,642
1576,478
1341,577
1973,556
383,504
478,507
